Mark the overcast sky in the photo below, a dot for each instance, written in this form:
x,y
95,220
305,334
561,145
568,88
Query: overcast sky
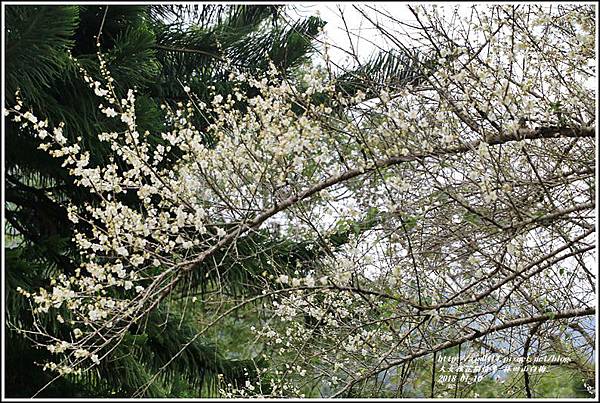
x,y
365,38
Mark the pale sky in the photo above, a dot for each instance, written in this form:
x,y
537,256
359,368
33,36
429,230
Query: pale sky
x,y
362,33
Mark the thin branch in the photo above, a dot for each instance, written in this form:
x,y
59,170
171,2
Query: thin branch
x,y
574,313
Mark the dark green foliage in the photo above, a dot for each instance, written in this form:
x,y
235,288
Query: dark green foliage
x,y
242,272
390,69
199,363
384,69
37,38
286,47
263,253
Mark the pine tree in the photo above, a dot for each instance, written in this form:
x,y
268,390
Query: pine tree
x,y
145,52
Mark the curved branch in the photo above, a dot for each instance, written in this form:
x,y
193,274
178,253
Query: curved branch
x,y
469,337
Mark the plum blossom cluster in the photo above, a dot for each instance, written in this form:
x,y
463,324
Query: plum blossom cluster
x,y
133,256
439,210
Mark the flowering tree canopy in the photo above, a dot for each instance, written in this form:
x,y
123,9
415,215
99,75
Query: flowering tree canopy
x,y
453,209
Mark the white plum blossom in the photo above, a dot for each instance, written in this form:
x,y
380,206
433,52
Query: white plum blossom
x,y
110,112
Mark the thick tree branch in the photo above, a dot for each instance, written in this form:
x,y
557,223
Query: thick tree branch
x,y
541,133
